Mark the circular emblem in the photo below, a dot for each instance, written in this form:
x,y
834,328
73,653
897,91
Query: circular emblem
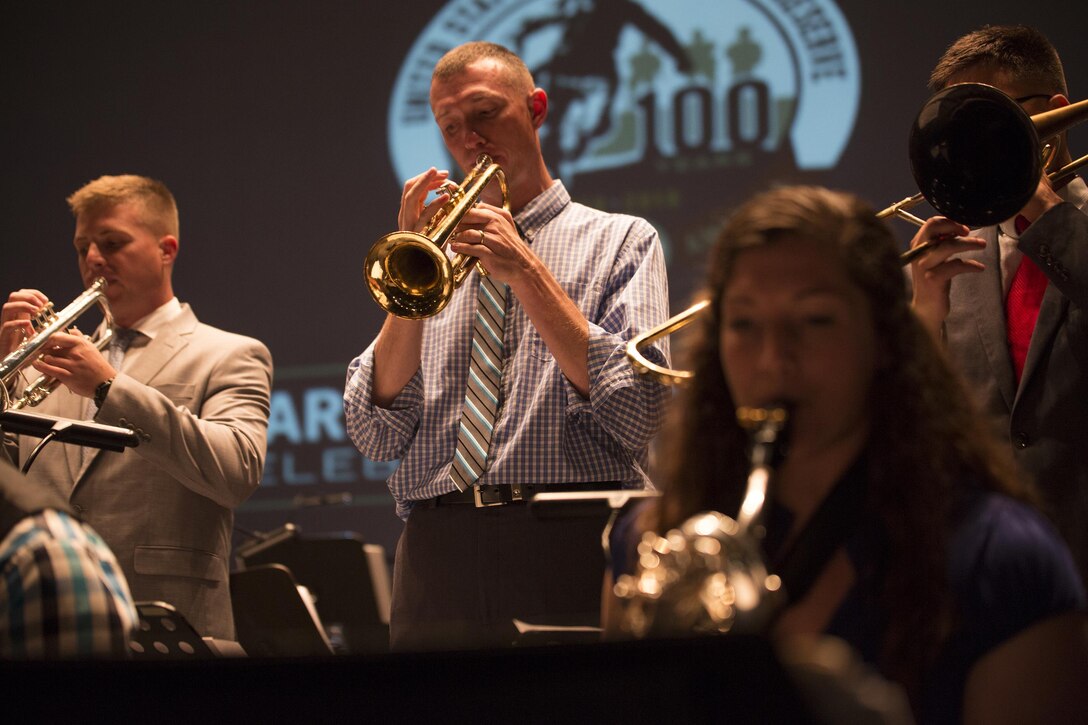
x,y
672,110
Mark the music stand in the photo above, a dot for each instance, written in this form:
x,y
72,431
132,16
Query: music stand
x,y
271,616
606,504
164,634
586,503
603,505
349,581
79,432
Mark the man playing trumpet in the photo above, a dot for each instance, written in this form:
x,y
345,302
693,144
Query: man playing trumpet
x,y
197,397
519,385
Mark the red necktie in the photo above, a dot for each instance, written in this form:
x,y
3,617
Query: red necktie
x,y
1022,305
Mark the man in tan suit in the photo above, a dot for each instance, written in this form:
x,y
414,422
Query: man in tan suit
x,y
197,397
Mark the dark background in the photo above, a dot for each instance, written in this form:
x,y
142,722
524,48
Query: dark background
x,y
268,120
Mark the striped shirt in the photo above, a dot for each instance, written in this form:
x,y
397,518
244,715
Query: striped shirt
x,y
62,593
612,267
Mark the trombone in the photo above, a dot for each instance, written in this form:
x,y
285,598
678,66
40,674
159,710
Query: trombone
x,y
48,323
408,273
976,156
638,343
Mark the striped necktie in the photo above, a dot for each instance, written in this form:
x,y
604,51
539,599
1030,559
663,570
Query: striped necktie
x,y
122,339
484,389
115,354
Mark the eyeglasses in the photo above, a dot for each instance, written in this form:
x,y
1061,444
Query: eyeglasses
x,y
1032,97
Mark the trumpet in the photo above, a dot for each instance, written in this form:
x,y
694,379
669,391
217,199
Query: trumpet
x,y
976,156
46,324
709,576
409,274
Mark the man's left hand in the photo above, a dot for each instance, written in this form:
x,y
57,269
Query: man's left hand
x,y
76,362
488,233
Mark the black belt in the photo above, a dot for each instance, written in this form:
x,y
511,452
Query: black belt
x,y
501,494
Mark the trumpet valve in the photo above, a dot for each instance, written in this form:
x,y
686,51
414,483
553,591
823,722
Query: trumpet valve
x,y
43,317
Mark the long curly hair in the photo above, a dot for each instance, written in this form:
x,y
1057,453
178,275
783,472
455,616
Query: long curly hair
x,y
925,439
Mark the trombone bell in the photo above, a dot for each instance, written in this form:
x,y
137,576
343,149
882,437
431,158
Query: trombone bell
x,y
977,156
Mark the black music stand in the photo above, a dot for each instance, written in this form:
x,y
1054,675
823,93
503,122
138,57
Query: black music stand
x,y
164,634
603,505
349,581
271,616
608,505
79,432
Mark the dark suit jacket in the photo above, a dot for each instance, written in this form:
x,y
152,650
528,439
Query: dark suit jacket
x,y
1045,420
199,399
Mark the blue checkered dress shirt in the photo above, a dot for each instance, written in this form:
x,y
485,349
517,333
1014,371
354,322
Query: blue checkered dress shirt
x,y
613,268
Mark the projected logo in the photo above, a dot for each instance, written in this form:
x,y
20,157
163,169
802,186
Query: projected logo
x,y
674,110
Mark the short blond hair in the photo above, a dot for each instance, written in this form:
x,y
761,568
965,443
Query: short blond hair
x,y
160,210
455,61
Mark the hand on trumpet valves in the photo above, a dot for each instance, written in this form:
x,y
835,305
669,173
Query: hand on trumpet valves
x,y
75,361
489,234
933,271
15,324
415,212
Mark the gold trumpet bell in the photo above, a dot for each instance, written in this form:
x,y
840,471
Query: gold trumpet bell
x,y
409,275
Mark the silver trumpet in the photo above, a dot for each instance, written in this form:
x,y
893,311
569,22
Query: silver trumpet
x,y
46,324
709,576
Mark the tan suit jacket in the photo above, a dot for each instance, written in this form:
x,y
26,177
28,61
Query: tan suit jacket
x,y
198,397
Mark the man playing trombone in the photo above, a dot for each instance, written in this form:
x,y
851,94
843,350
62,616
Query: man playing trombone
x,y
1011,300
197,397
520,385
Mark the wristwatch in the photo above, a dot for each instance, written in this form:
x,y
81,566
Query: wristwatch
x,y
101,391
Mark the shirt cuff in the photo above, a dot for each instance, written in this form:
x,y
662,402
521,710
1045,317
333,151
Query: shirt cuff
x,y
399,417
609,371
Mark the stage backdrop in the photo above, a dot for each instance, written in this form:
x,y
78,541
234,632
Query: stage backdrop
x,y
286,130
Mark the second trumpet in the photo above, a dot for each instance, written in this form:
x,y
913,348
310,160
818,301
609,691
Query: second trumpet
x,y
47,323
409,274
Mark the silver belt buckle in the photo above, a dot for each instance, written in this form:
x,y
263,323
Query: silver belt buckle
x,y
481,502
